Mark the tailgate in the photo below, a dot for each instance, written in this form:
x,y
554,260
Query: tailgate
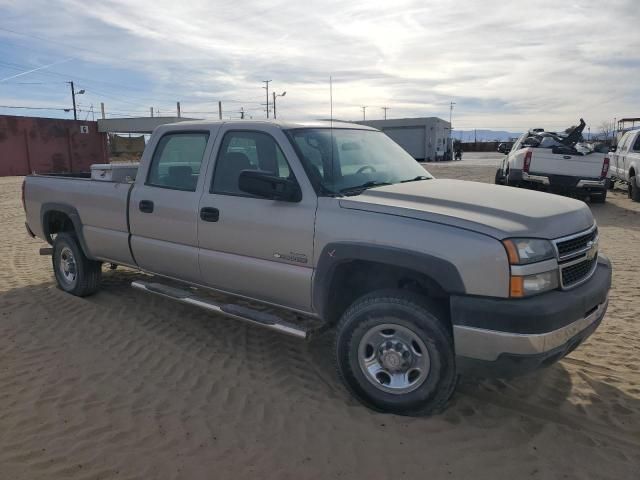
x,y
544,162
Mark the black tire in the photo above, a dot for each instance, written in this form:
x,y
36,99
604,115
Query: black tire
x,y
499,180
611,184
408,312
634,191
74,272
600,197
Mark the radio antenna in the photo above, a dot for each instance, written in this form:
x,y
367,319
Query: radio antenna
x,y
331,120
331,99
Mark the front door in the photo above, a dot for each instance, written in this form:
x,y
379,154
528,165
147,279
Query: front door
x,y
251,246
164,207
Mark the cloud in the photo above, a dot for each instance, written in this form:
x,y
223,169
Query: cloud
x,y
506,65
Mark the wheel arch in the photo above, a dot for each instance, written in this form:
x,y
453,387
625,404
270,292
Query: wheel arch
x,y
346,271
60,217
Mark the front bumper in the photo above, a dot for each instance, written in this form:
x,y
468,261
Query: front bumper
x,y
504,337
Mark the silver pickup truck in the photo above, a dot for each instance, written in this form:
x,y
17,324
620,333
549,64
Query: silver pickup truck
x,y
423,279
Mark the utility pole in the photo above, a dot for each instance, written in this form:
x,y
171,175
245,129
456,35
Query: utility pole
x,y
220,110
178,108
450,128
364,110
102,109
241,113
385,111
151,110
266,83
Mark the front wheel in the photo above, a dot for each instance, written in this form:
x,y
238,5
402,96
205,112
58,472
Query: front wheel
x,y
634,191
395,355
74,272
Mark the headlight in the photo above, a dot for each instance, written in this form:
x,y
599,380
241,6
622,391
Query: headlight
x,y
523,286
522,251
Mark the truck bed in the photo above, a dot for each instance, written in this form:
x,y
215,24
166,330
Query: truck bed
x,y
101,206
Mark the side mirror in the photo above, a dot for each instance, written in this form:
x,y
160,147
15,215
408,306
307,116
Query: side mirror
x,y
265,185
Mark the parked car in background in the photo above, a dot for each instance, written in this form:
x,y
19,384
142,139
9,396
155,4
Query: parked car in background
x,y
625,163
557,163
335,224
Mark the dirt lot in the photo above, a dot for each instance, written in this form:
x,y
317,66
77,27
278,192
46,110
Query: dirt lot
x,y
125,385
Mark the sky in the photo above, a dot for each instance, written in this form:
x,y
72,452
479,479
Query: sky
x,y
506,65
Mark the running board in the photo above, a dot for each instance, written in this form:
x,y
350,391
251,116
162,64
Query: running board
x,y
231,310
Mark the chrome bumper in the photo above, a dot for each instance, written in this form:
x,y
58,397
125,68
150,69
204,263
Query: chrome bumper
x,y
592,183
488,345
535,178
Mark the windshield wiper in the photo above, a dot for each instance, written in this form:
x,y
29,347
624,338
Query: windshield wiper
x,y
417,179
358,189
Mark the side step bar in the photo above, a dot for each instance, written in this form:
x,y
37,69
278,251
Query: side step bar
x,y
239,312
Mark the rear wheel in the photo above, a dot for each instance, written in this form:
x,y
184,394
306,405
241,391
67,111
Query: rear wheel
x,y
74,272
395,355
600,197
499,180
634,191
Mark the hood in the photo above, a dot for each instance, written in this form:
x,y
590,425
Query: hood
x,y
494,210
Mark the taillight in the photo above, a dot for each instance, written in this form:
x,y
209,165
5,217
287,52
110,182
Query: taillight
x,y
24,206
605,168
527,161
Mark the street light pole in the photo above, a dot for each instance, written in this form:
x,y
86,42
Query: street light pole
x,y
73,98
274,101
385,111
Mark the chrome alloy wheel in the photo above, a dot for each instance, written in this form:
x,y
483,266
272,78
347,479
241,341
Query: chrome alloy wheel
x,y
67,265
393,358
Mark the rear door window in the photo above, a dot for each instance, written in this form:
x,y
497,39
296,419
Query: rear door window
x,y
177,160
636,145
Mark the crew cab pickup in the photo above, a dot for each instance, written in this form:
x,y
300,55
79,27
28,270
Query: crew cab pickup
x,y
541,161
625,163
334,224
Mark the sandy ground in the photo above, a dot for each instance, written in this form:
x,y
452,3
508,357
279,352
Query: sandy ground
x,y
125,385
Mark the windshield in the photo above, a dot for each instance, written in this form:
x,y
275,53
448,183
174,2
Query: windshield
x,y
342,160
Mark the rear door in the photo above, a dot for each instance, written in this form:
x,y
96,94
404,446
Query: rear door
x,y
619,156
251,246
631,150
163,208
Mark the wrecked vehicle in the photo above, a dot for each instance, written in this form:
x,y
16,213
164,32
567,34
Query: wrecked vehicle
x,y
557,162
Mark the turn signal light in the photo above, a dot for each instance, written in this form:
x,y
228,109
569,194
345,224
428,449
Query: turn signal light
x,y
516,287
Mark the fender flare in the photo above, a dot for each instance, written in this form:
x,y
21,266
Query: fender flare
x,y
73,215
441,271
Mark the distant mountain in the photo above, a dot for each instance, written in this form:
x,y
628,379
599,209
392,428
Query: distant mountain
x,y
484,135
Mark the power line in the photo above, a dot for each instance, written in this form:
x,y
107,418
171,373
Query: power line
x,y
36,108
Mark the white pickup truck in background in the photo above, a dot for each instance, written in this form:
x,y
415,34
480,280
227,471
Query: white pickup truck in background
x,y
625,163
556,163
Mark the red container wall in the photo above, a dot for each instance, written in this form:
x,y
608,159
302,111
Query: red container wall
x,y
49,145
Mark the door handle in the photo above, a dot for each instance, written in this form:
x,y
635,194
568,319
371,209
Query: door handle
x,y
209,214
146,206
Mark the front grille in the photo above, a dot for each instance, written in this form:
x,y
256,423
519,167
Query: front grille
x,y
573,245
573,274
577,257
